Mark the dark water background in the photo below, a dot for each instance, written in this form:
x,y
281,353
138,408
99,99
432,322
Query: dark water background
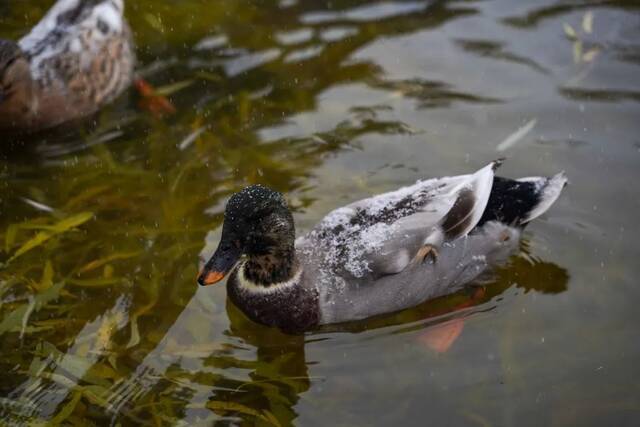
x,y
101,319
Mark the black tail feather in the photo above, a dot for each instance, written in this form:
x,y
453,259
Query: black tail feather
x,y
511,201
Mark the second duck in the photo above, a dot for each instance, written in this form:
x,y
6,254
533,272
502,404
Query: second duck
x,y
78,58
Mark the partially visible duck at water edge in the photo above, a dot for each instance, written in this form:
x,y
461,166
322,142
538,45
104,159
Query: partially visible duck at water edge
x,y
77,59
378,255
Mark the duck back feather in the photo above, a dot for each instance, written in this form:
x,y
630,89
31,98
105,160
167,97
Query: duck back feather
x,y
382,234
60,29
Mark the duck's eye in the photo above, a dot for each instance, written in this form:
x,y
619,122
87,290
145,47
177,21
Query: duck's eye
x,y
236,243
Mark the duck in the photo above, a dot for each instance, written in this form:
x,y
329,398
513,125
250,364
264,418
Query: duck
x,y
77,59
375,256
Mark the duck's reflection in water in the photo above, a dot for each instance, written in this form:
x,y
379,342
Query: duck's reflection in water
x,y
204,371
523,272
281,371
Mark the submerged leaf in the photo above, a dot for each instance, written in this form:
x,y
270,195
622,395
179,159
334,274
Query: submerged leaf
x,y
47,277
10,237
172,88
272,418
100,374
205,75
13,321
86,195
96,394
134,339
38,365
59,228
106,260
27,313
71,222
67,410
113,360
217,405
96,283
107,272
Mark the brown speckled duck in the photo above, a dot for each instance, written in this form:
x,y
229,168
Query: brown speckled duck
x,y
75,60
374,256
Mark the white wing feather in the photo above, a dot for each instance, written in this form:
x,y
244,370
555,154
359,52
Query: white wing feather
x,y
382,234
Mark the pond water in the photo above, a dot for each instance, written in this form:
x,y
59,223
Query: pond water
x,y
102,225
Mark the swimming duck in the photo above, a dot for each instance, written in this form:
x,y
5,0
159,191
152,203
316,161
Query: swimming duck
x,y
378,255
75,60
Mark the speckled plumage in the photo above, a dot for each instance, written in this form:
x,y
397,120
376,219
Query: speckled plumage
x,y
77,59
368,258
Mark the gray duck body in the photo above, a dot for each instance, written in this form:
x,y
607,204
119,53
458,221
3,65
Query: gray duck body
x,y
459,262
369,258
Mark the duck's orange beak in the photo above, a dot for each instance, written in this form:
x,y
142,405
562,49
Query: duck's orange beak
x,y
206,278
221,263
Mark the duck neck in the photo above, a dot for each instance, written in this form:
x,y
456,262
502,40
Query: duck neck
x,y
278,266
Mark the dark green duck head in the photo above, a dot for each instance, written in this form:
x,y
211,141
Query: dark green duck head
x,y
259,226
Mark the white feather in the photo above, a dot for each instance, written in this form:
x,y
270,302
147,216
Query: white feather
x,y
550,191
248,286
108,11
47,24
480,183
109,14
364,248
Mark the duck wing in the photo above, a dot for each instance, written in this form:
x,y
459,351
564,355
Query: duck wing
x,y
382,234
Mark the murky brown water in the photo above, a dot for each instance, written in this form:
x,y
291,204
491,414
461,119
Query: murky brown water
x,y
101,320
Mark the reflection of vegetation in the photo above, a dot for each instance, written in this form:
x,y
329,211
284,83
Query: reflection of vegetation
x,y
496,50
430,94
577,38
585,55
534,17
607,95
